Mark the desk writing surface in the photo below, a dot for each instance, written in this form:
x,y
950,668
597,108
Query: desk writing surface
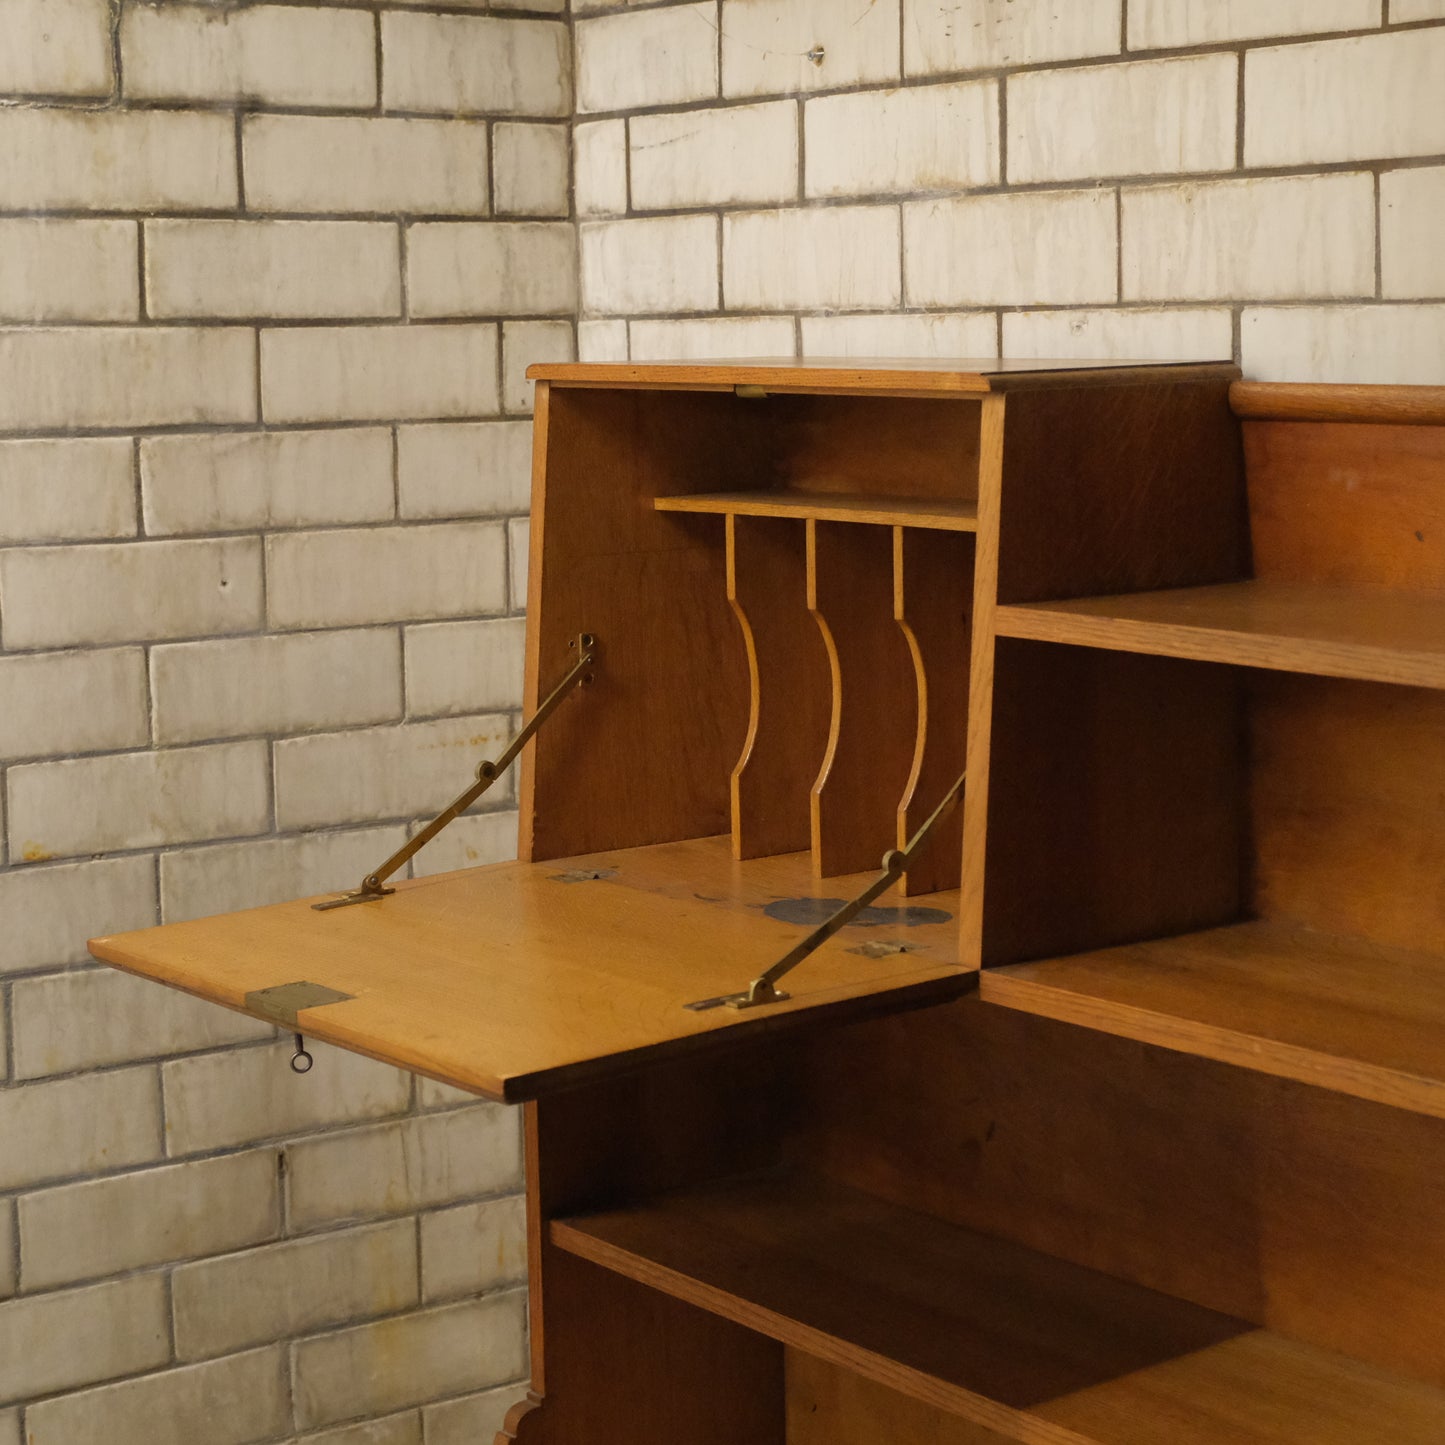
x,y
522,978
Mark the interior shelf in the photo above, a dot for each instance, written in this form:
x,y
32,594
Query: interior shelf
x,y
1352,632
1342,1013
1022,1343
930,513
519,979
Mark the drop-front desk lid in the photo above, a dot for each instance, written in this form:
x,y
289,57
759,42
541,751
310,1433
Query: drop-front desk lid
x,y
519,979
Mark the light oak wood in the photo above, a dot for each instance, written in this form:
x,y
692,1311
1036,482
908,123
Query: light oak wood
x,y
1293,401
1330,631
960,516
1016,1341
514,979
1339,1013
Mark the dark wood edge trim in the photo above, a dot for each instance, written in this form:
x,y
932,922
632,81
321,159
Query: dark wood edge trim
x,y
1280,401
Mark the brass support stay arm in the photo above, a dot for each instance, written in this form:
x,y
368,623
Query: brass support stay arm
x,y
373,885
764,989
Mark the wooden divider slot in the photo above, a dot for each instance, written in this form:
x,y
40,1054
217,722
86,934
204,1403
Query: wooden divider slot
x,y
932,604
854,803
788,682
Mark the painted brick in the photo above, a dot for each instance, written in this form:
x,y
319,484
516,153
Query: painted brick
x,y
452,469
473,1248
464,667
989,33
1017,250
50,912
1404,11
526,342
384,574
83,1125
272,268
374,373
529,169
599,163
371,773
223,1305
116,160
68,270
1343,100
679,41
153,1216
1201,335
247,481
1142,118
229,876
710,337
843,258
129,591
375,164
799,45
519,533
226,1402
125,376
9,1257
432,1095
969,333
279,55
411,1359
1393,345
745,153
287,684
1260,238
474,65
415,1164
69,702
137,800
66,490
97,1017
55,49
77,1337
1412,222
218,1101
475,1417
498,268
602,341
925,138
471,841
404,1429
1165,23
668,263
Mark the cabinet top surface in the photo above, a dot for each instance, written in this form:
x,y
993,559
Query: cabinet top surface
x,y
931,375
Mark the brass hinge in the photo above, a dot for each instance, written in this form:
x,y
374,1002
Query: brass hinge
x,y
373,885
764,988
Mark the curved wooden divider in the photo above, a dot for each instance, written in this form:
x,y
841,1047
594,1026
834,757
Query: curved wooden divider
x,y
932,604
788,686
871,736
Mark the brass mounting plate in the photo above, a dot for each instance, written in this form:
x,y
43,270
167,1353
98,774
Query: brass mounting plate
x,y
283,1001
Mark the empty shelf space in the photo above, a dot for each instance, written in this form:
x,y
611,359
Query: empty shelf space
x,y
1371,635
1341,1013
1031,1346
935,514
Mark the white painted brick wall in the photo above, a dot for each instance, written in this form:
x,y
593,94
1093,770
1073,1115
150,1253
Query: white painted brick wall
x,y
689,159
464,667
47,702
988,33
664,264
66,491
455,469
529,172
599,160
1412,232
55,50
503,268
1164,23
68,270
680,44
840,257
710,337
800,45
473,1248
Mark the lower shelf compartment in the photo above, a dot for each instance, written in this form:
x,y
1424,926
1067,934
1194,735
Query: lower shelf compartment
x,y
1341,1013
1024,1344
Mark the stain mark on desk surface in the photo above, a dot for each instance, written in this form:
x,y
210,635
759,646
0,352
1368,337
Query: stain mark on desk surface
x,y
819,910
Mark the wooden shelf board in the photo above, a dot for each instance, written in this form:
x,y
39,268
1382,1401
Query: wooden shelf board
x,y
1340,1013
1371,635
934,515
1031,1346
514,979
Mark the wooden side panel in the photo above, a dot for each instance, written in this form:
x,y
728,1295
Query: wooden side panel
x,y
874,702
1348,804
1120,489
933,605
1352,505
1312,1213
644,754
790,687
1116,808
